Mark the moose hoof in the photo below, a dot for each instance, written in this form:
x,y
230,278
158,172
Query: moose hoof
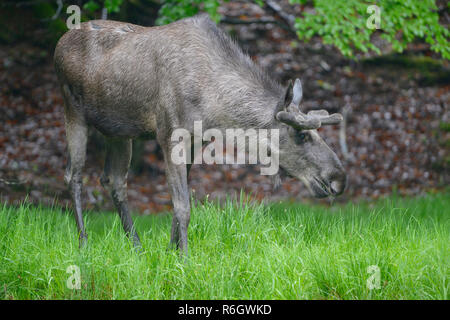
x,y
83,240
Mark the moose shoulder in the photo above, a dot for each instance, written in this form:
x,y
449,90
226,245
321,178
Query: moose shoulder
x,y
128,81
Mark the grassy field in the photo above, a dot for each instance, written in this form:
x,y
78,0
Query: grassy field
x,y
237,251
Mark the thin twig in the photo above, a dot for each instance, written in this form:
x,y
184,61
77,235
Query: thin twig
x,y
57,13
9,182
287,18
104,14
254,21
275,7
239,21
343,133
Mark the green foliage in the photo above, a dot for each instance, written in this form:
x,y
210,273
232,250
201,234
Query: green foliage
x,y
110,5
173,10
343,24
55,27
237,251
339,23
444,126
91,6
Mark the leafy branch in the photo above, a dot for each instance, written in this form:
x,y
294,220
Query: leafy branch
x,y
342,24
339,23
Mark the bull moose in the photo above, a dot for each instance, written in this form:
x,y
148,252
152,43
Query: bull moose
x,y
128,81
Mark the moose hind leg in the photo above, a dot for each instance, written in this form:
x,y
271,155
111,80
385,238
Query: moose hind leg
x,y
76,132
114,179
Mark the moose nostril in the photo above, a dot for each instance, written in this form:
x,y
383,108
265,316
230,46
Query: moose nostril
x,y
335,185
338,186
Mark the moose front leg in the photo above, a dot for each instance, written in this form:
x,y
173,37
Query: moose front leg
x,y
77,138
178,187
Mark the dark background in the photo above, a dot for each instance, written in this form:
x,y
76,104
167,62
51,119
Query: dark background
x,y
396,105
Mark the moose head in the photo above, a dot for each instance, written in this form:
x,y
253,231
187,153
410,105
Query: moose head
x,y
303,153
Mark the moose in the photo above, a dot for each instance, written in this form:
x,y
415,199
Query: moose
x,y
129,81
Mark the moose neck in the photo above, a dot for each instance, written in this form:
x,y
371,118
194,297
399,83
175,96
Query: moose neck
x,y
248,99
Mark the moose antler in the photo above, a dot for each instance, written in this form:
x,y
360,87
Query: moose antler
x,y
326,118
300,121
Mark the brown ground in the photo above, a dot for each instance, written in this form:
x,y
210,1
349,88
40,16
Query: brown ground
x,y
397,110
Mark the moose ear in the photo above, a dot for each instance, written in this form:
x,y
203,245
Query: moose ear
x,y
288,95
297,92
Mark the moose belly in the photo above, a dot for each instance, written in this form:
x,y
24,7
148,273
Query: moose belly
x,y
123,125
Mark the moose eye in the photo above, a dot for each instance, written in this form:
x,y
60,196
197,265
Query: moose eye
x,y
301,137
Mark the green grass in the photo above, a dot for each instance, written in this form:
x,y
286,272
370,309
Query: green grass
x,y
237,251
